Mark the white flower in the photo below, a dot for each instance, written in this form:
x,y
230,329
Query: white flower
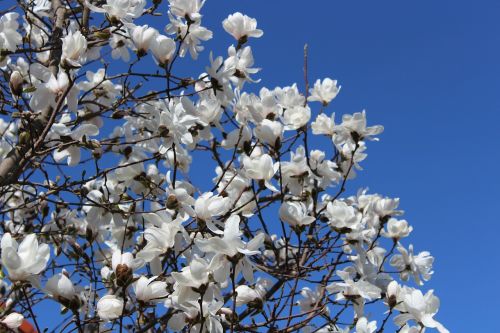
x,y
350,288
13,320
46,93
9,37
109,307
269,131
324,92
125,259
189,8
71,153
142,36
194,275
125,10
73,49
397,229
241,27
324,125
231,244
241,62
25,260
163,49
363,326
209,205
261,168
245,294
120,45
296,117
343,216
421,308
309,299
191,40
147,290
60,286
295,213
418,265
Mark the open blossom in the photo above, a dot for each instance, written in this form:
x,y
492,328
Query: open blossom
x,y
150,290
397,229
13,320
24,261
324,125
163,49
252,296
269,131
295,213
421,308
342,216
9,36
73,49
125,10
209,205
142,36
261,168
296,117
363,326
419,266
109,307
192,40
324,91
60,286
241,26
186,8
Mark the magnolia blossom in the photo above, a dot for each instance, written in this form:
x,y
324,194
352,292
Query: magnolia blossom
x,y
209,205
109,307
142,37
295,214
397,229
416,265
192,40
241,26
26,260
246,295
296,117
187,8
13,320
324,125
150,290
60,286
163,49
422,309
120,9
269,131
73,49
342,216
46,93
125,259
261,168
363,326
9,36
324,91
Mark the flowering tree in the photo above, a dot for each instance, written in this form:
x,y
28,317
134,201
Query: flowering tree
x,y
100,136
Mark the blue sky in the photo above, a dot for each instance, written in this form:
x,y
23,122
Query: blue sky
x,y
429,71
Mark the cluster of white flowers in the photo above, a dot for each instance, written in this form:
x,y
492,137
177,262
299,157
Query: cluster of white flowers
x,y
111,223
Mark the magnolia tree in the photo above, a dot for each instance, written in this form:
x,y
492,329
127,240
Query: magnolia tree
x,y
104,124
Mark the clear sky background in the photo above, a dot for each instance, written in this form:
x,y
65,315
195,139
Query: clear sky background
x,y
429,71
